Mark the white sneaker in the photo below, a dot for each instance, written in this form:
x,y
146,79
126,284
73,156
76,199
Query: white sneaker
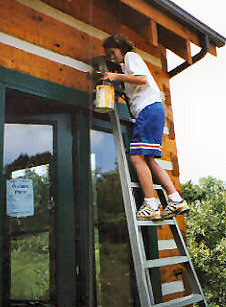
x,y
174,208
146,213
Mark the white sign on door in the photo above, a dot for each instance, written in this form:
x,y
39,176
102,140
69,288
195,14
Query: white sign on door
x,y
20,198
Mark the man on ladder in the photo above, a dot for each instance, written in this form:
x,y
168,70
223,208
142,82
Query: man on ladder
x,y
146,143
147,109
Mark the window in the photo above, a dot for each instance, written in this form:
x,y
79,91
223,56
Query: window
x,y
115,279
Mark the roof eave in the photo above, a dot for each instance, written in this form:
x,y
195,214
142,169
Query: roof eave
x,y
184,17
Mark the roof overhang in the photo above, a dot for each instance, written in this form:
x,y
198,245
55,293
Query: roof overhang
x,y
183,17
175,29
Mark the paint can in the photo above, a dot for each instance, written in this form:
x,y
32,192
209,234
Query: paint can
x,y
105,98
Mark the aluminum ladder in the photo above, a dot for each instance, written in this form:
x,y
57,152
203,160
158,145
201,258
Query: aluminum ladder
x,y
141,263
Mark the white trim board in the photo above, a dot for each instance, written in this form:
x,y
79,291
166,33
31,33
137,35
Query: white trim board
x,y
42,52
166,244
172,287
166,130
167,165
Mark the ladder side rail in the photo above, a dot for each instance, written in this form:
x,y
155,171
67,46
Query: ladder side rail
x,y
147,274
162,197
130,210
148,278
191,273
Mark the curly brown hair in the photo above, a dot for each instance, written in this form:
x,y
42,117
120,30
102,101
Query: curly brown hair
x,y
118,41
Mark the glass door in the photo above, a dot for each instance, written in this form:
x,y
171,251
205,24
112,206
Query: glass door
x,y
29,224
38,199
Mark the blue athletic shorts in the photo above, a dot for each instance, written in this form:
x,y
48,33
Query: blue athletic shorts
x,y
148,131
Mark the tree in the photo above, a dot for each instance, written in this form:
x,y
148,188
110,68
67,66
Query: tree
x,y
206,235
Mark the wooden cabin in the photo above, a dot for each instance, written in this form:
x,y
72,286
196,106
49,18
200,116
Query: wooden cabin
x,y
64,238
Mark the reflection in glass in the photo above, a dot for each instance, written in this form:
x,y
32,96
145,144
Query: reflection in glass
x,y
29,240
26,140
116,285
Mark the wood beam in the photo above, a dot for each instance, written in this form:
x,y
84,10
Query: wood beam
x,y
213,49
175,43
152,33
165,21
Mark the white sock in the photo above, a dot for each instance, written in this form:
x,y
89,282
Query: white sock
x,y
175,197
151,202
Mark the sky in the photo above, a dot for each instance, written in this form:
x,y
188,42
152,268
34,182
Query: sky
x,y
199,102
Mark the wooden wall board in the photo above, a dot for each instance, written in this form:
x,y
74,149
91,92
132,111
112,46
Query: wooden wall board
x,y
167,95
171,272
157,74
169,112
169,143
170,297
42,30
101,19
174,160
34,65
176,182
48,20
167,252
164,232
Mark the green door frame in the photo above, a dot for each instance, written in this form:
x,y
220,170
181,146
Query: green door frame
x,y
2,121
81,180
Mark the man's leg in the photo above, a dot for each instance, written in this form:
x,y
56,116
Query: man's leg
x,y
149,210
176,204
160,175
144,174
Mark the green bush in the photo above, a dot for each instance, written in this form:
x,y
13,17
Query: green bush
x,y
206,236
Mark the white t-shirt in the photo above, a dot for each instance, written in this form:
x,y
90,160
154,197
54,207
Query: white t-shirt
x,y
140,95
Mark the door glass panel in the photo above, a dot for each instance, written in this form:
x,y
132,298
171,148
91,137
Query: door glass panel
x,y
115,279
28,225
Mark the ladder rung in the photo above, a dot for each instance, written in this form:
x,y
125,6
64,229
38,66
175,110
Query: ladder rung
x,y
156,222
137,185
183,301
157,187
165,261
